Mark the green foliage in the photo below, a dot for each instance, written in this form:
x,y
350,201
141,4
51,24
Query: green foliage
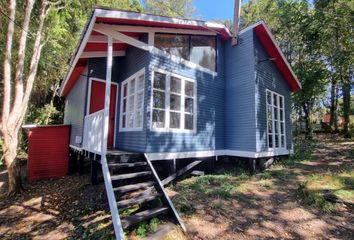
x,y
147,227
171,8
45,115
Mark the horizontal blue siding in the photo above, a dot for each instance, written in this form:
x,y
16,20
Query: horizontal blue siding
x,y
210,109
240,126
75,105
269,77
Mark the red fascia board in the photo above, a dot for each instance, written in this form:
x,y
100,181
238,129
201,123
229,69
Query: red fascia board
x,y
95,47
79,68
273,52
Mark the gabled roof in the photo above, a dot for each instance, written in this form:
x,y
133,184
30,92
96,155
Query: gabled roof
x,y
272,48
91,41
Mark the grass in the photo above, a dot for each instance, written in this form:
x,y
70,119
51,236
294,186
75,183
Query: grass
x,y
340,184
313,198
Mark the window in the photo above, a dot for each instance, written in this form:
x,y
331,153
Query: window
x,y
173,102
132,102
200,50
275,120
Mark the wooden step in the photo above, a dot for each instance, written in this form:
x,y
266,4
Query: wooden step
x,y
137,200
141,216
133,187
122,165
130,175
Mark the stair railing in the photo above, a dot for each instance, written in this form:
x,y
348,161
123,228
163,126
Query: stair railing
x,y
165,196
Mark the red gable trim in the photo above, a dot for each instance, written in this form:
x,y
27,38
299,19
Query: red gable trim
x,y
274,51
79,68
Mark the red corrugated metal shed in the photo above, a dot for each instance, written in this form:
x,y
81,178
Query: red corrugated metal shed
x,y
48,152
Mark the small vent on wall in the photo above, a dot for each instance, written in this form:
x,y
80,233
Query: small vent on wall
x,y
78,139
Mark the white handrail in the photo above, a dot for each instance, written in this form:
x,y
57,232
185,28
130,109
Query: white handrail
x,y
92,137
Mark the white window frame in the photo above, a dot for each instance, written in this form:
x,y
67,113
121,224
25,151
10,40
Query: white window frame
x,y
167,102
280,135
128,81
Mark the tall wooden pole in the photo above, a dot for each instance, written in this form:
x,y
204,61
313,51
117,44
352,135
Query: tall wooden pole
x,y
237,14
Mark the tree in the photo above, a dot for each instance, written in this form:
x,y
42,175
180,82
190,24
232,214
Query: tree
x,y
338,16
171,8
18,83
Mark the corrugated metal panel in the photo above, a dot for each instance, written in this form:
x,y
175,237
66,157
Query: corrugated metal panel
x,y
75,109
210,109
240,132
48,152
269,77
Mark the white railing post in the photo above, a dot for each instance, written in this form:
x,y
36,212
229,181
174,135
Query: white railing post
x,y
107,177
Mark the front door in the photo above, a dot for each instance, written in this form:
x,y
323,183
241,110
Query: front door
x,y
98,89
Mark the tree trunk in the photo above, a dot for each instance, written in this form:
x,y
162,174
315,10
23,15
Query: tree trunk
x,y
336,130
10,155
308,127
333,108
346,107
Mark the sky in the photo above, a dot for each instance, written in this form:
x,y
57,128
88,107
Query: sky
x,y
215,9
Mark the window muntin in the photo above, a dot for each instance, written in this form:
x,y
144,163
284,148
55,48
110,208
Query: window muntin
x,y
275,120
198,49
132,102
173,102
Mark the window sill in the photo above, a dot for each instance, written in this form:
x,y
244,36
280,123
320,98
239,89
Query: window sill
x,y
131,130
165,130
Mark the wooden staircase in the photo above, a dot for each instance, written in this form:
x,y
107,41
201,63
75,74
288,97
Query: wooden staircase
x,y
137,189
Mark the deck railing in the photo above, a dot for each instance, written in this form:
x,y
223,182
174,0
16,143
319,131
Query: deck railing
x,y
93,129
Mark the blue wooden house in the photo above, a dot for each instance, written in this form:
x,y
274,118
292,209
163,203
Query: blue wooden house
x,y
144,88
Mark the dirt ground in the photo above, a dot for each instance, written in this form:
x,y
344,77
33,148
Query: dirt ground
x,y
264,206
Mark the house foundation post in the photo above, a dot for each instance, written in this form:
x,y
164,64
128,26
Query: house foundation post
x,y
94,170
252,165
81,158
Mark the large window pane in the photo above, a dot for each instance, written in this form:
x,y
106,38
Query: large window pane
x,y
188,105
189,89
175,120
188,121
203,51
139,119
141,83
159,99
177,45
139,100
159,80
158,118
175,102
132,87
175,85
131,103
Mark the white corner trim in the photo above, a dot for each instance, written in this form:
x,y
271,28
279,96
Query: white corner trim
x,y
215,153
